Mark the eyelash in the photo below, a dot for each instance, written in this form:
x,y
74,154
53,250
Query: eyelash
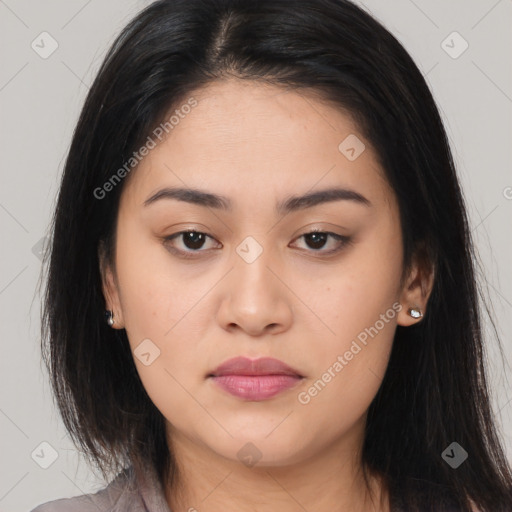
x,y
345,241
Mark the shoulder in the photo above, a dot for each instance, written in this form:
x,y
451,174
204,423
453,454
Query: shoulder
x,y
121,494
76,504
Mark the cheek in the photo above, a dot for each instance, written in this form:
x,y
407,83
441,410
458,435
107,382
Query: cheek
x,y
351,296
163,313
359,305
153,295
369,284
349,372
158,310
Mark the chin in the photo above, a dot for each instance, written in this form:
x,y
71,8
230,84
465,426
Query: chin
x,y
255,448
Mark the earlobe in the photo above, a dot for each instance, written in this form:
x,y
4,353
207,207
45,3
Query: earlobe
x,y
416,292
113,311
415,312
410,314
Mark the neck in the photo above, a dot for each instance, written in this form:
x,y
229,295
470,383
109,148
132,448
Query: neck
x,y
332,480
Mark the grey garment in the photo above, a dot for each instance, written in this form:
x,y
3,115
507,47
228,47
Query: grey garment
x,y
128,492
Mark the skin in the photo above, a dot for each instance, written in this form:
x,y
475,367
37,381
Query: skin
x,y
257,145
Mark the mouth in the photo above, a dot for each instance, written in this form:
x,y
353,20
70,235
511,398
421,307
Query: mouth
x,y
255,379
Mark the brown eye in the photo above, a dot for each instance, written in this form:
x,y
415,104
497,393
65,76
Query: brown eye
x,y
193,239
191,242
317,240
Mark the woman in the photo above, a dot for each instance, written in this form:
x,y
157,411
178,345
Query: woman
x,y
262,199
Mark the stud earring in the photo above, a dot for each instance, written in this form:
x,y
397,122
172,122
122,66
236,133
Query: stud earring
x,y
110,317
415,312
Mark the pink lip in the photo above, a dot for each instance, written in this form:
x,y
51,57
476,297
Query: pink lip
x,y
255,379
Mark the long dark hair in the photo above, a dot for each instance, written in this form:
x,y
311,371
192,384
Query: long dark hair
x,y
434,392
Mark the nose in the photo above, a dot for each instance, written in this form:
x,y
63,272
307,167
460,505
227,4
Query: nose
x,y
255,298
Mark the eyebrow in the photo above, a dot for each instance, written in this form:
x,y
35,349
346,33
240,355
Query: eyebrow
x,y
290,204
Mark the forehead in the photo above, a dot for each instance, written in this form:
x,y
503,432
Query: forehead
x,y
252,141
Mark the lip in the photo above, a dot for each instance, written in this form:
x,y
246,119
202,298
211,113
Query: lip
x,y
255,379
260,366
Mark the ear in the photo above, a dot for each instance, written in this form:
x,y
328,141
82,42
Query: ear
x,y
110,288
417,288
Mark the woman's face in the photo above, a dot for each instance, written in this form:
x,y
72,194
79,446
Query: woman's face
x,y
255,284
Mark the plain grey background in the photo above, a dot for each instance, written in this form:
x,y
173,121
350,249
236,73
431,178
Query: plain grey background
x,y
40,98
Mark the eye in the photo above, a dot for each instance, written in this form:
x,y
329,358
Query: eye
x,y
191,239
317,239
